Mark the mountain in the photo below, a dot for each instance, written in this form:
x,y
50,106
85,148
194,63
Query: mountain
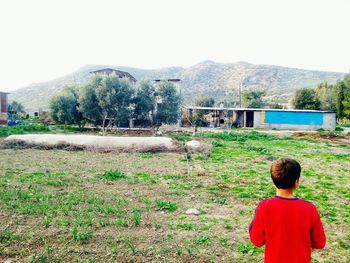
x,y
218,80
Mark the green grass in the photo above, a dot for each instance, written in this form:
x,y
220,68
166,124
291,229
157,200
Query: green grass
x,y
79,206
23,128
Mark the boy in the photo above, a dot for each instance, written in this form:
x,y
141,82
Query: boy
x,y
287,226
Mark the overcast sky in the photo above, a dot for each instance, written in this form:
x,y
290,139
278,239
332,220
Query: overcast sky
x,y
45,39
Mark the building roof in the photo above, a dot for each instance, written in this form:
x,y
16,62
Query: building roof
x,y
250,109
119,73
170,80
3,92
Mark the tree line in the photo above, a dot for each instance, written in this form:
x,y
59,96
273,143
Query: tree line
x,y
326,97
110,101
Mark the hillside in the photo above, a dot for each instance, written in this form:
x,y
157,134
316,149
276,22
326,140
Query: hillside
x,y
219,80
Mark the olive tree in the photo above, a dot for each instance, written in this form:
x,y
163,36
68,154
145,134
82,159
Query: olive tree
x,y
64,108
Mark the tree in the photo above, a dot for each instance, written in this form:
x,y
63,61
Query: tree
x,y
106,98
15,110
168,104
15,107
197,118
253,99
276,105
326,94
346,97
144,102
64,108
340,96
205,101
88,102
306,99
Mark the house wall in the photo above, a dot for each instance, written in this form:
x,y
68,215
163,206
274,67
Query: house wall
x,y
3,108
291,120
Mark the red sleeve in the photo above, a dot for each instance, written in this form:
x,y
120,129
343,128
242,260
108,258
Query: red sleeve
x,y
318,238
256,228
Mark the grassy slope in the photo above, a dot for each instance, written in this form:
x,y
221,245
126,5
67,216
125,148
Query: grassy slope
x,y
62,206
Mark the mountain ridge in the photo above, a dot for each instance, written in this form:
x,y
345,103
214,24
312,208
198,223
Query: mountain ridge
x,y
218,80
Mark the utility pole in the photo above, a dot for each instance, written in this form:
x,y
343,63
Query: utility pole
x,y
240,94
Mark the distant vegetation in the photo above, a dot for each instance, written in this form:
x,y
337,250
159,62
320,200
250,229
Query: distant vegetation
x,y
109,101
326,97
254,99
21,129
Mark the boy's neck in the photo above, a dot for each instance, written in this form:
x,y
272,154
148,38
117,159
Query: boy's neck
x,y
286,193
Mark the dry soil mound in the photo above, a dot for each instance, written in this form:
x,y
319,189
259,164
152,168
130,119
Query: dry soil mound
x,y
91,142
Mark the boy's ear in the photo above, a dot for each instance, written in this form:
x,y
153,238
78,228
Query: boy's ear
x,y
296,184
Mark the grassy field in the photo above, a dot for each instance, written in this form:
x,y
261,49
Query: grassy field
x,y
80,206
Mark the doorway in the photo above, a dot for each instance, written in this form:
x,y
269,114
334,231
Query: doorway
x,y
249,119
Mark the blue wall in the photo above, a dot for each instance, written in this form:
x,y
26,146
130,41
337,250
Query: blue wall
x,y
293,117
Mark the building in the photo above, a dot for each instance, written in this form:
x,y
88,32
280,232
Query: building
x,y
3,108
265,118
118,73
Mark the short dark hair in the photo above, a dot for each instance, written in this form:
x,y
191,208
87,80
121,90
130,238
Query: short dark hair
x,y
284,172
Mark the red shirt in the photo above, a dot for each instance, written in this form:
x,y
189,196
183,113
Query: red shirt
x,y
289,228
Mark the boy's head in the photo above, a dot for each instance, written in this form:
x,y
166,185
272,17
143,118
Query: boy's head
x,y
285,172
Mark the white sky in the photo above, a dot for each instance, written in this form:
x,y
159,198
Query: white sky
x,y
45,39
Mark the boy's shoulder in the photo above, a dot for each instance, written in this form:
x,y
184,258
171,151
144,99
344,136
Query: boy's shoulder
x,y
278,199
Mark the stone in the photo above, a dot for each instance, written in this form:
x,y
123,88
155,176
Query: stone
x,y
192,211
193,144
271,158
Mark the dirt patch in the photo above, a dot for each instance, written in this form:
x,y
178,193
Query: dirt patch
x,y
324,137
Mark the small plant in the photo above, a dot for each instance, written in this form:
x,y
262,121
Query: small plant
x,y
111,175
131,246
338,129
5,235
246,248
81,236
217,143
223,241
120,221
47,221
146,155
187,226
258,149
228,225
136,216
155,224
146,177
166,205
203,240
